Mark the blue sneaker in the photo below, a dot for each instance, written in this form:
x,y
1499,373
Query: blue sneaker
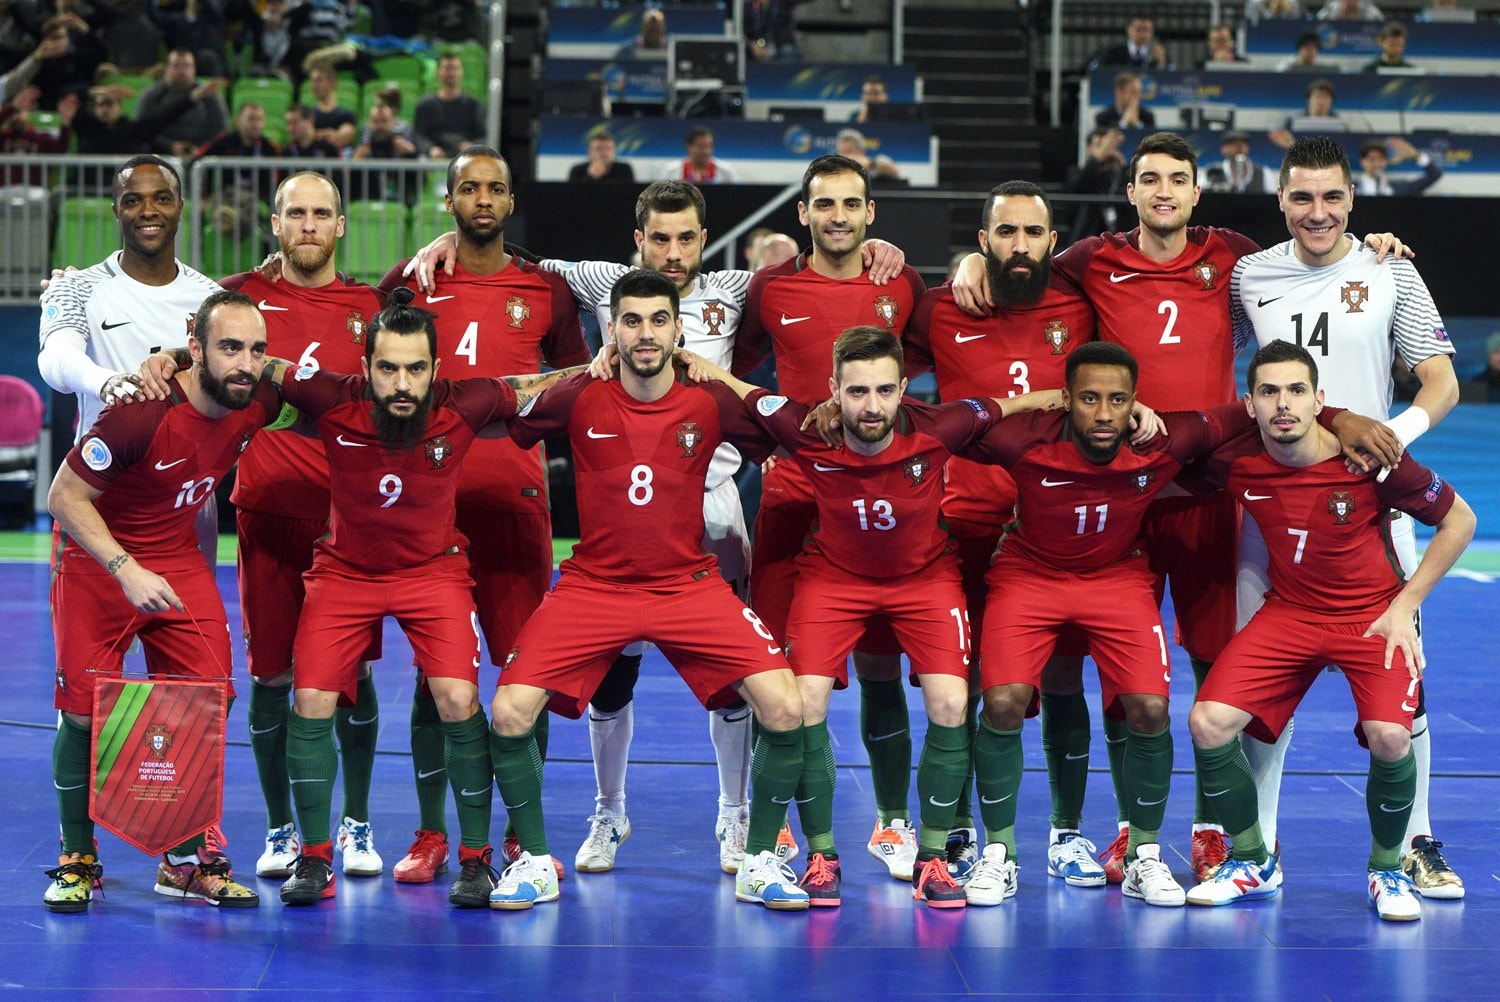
x,y
526,882
1238,880
1071,857
766,880
963,853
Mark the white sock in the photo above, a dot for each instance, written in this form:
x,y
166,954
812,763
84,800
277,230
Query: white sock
x,y
1055,835
609,737
730,732
1266,762
1421,747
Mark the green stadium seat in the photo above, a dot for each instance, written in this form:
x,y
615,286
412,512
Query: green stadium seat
x,y
272,93
232,253
429,218
402,66
375,239
411,93
346,91
86,232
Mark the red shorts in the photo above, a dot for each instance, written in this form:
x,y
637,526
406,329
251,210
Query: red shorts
x,y
707,634
782,524
1194,544
1269,665
925,611
93,625
976,548
510,560
433,603
1030,606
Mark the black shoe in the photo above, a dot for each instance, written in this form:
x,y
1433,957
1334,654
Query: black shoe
x,y
311,881
476,879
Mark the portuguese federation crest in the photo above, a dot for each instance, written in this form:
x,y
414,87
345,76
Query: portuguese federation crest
x,y
916,469
714,316
689,437
1055,333
439,450
158,741
519,311
354,323
887,310
1143,480
1207,272
1355,295
1341,506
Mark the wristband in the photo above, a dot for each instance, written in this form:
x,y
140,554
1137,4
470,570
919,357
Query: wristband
x,y
1410,425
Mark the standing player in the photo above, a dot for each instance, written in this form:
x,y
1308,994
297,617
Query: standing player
x,y
1337,599
1325,293
642,446
495,315
129,566
797,309
1022,347
319,318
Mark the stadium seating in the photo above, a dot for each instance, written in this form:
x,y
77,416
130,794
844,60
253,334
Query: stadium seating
x,y
375,239
86,232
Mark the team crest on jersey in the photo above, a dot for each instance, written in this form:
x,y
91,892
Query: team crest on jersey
x,y
515,652
1207,272
1341,506
304,373
244,442
769,405
96,455
439,450
916,469
887,309
1355,295
62,679
354,323
1143,481
158,740
1055,333
519,311
714,316
689,437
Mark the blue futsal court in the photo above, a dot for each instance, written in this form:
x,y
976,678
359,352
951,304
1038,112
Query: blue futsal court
x,y
665,923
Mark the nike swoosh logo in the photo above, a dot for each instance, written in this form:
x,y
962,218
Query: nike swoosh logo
x,y
65,788
437,299
965,338
1396,810
938,803
294,782
1056,483
430,773
1261,303
787,321
167,466
268,308
360,723
1074,758
265,730
600,434
885,737
735,720
826,469
778,800
353,445
1151,803
986,800
808,800
1408,707
107,326
1115,741
474,793
1120,278
1256,497
1218,793
515,808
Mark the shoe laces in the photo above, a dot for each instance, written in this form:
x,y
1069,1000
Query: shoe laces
x,y
215,867
821,871
602,829
306,867
768,867
733,836
1393,881
78,867
935,871
283,840
987,870
427,842
214,841
1427,851
1151,871
1118,846
1075,846
470,868
361,838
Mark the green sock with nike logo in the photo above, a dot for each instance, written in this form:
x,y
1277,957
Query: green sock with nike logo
x,y
70,777
312,764
775,768
1225,778
1065,745
427,761
940,781
270,706
1147,770
357,728
997,773
885,727
472,778
1389,792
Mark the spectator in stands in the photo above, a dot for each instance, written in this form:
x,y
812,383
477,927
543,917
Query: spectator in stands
x,y
196,26
383,144
316,24
851,143
20,74
19,137
1140,48
1490,377
206,118
1376,157
1309,48
335,123
773,249
1221,48
16,36
392,97
1127,111
1257,11
1447,11
700,166
768,29
1392,41
601,164
1101,173
872,91
74,70
1350,10
246,139
1317,116
1236,172
132,41
302,139
651,43
271,41
102,127
449,120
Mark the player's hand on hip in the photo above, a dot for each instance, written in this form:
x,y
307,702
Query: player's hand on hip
x,y
442,252
884,260
146,590
1399,628
971,287
604,363
1388,245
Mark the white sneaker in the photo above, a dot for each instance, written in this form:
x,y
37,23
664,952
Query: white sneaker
x,y
764,879
1071,857
731,834
786,843
895,845
1394,897
357,843
526,882
993,878
1151,880
283,846
606,833
1238,880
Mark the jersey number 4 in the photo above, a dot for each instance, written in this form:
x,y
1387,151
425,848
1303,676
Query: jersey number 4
x,y
1316,338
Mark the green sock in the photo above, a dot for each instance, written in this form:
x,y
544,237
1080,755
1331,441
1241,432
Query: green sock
x,y
963,814
885,725
70,778
1390,784
270,706
1204,809
940,778
427,761
518,773
998,763
814,788
775,769
1148,780
1225,773
472,777
357,728
543,731
1114,744
1065,745
312,765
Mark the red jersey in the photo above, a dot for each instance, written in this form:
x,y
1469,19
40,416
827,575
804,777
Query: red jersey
x,y
283,472
1017,350
1173,317
505,324
798,313
878,515
1076,516
1328,533
640,468
158,461
393,510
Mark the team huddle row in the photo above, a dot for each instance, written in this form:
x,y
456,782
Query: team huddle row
x,y
994,539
